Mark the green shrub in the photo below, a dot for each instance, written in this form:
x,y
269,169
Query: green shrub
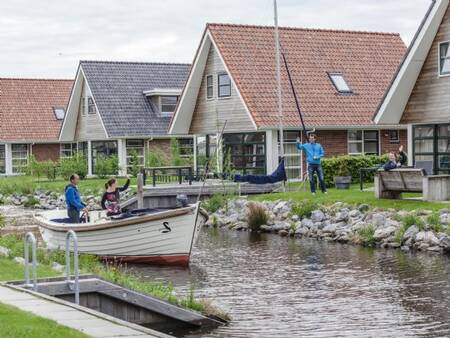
x,y
134,164
434,222
77,164
256,216
155,158
2,221
335,166
400,233
41,169
412,219
31,202
304,208
366,235
215,202
106,165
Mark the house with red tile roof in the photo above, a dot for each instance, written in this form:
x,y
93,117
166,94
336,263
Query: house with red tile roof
x,y
31,114
339,76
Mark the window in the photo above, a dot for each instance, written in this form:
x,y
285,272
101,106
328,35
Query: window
x,y
2,159
19,155
292,157
246,152
340,83
102,149
432,147
363,142
59,113
83,105
444,58
186,146
168,104
209,87
67,149
90,105
135,155
224,85
394,136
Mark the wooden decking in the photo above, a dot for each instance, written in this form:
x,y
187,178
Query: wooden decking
x,y
92,323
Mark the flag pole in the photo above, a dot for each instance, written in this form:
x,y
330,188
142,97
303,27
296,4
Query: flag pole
x,y
278,74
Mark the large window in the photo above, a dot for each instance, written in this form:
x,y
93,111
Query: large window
x,y
247,152
135,151
168,104
102,148
206,149
67,149
444,58
186,146
209,87
292,158
19,155
224,85
363,142
2,159
432,148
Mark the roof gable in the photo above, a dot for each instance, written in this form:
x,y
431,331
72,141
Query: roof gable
x,y
26,108
367,60
396,97
118,91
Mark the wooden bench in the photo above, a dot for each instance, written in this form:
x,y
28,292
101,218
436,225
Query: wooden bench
x,y
391,184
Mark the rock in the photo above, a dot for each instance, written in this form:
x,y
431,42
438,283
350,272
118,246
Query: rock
x,y
266,228
19,260
283,233
410,233
317,216
385,232
278,226
342,216
394,245
443,218
363,207
445,243
378,220
444,211
295,218
330,228
435,248
424,212
306,222
301,231
281,207
427,237
405,248
58,267
355,213
4,252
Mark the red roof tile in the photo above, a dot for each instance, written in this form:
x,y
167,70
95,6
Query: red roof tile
x,y
367,60
26,108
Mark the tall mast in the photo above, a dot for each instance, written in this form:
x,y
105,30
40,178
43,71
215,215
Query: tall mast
x,y
278,72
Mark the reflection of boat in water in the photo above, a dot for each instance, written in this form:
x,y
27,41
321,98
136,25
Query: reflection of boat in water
x,y
152,236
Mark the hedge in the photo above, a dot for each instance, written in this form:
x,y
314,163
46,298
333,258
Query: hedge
x,y
334,166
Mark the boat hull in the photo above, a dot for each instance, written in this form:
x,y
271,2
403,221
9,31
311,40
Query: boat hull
x,y
164,238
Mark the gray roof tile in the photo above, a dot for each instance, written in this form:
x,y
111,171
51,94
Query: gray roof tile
x,y
117,88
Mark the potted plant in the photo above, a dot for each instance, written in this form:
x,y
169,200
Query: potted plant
x,y
344,179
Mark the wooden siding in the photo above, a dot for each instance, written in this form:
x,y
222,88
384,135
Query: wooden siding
x,y
89,126
430,100
209,111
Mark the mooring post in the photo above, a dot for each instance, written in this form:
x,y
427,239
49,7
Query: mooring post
x,y
140,191
30,237
73,285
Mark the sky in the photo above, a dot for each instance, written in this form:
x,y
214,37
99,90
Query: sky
x,y
47,38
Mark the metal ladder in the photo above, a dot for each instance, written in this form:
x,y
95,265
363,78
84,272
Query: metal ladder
x,y
72,284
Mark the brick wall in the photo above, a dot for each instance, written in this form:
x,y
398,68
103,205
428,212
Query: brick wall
x,y
388,146
44,152
334,142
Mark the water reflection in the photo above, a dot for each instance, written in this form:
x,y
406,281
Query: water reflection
x,y
281,287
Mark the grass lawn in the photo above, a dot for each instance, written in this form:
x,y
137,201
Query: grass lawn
x,y
10,270
15,323
353,196
28,185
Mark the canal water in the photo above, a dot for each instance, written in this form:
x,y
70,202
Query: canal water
x,y
282,287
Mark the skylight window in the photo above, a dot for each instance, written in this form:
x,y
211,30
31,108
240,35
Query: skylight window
x,y
59,113
340,83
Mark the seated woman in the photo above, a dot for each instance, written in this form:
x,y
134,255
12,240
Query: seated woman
x,y
111,197
392,163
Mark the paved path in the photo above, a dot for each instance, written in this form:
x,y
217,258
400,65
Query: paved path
x,y
85,320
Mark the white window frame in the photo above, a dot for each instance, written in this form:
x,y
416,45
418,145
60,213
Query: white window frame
x,y
439,59
397,140
14,167
218,86
2,145
83,105
130,148
362,141
56,115
73,149
89,105
212,86
163,113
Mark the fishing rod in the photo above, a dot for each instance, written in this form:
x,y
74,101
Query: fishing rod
x,y
297,103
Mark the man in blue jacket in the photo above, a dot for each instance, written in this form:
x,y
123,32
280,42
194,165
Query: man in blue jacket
x,y
73,200
314,153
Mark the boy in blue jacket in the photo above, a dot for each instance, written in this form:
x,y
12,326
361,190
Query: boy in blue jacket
x,y
73,200
314,153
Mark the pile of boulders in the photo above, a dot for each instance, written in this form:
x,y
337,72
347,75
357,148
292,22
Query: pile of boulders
x,y
342,223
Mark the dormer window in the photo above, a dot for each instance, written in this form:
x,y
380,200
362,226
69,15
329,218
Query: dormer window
x,y
59,113
444,58
340,83
168,104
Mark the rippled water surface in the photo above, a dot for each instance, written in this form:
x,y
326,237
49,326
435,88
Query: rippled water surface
x,y
281,287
